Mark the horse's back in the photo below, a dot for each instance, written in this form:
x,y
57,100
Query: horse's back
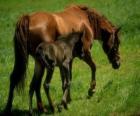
x,y
42,28
62,22
69,20
43,22
48,26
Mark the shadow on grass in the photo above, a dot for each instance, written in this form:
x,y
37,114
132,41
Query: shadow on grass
x,y
19,112
79,98
15,112
106,87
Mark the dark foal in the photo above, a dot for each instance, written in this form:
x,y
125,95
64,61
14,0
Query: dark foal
x,y
59,53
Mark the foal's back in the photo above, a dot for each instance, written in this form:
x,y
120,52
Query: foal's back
x,y
61,50
52,51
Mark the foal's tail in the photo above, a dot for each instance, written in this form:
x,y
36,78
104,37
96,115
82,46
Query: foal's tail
x,y
21,52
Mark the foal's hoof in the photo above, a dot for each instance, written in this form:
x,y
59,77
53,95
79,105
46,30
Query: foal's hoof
x,y
59,107
30,112
64,104
91,92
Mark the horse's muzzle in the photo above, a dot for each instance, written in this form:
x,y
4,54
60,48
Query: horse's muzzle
x,y
116,64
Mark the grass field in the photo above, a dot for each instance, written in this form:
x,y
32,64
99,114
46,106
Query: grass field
x,y
118,91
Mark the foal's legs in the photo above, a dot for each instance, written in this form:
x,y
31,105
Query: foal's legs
x,y
47,86
70,72
62,79
68,97
88,59
35,86
65,85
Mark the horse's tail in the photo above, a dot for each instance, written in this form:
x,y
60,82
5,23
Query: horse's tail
x,y
21,52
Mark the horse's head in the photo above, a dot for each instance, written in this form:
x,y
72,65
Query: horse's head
x,y
111,46
108,33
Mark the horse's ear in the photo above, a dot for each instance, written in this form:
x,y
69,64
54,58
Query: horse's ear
x,y
82,31
118,29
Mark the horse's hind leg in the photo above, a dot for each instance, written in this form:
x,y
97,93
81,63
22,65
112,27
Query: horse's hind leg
x,y
35,86
47,87
11,92
88,59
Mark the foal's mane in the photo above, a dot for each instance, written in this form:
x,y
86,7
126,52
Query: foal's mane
x,y
96,20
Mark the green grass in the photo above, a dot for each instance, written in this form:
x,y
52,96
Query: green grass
x,y
118,91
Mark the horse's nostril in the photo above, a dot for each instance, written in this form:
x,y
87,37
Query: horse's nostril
x,y
118,63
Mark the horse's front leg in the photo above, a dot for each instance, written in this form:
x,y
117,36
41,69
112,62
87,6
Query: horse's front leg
x,y
8,107
47,87
88,59
35,86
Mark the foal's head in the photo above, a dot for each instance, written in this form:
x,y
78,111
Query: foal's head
x,y
110,46
45,53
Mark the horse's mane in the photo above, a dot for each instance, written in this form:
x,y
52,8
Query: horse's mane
x,y
96,19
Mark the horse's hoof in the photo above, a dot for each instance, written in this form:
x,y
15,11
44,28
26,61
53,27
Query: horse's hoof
x,y
91,92
7,110
30,112
65,106
52,108
3,114
69,100
40,107
41,110
6,113
45,110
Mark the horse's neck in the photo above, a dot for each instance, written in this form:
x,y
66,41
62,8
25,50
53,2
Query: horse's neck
x,y
98,23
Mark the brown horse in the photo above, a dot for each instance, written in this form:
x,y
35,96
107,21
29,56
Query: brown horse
x,y
33,29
